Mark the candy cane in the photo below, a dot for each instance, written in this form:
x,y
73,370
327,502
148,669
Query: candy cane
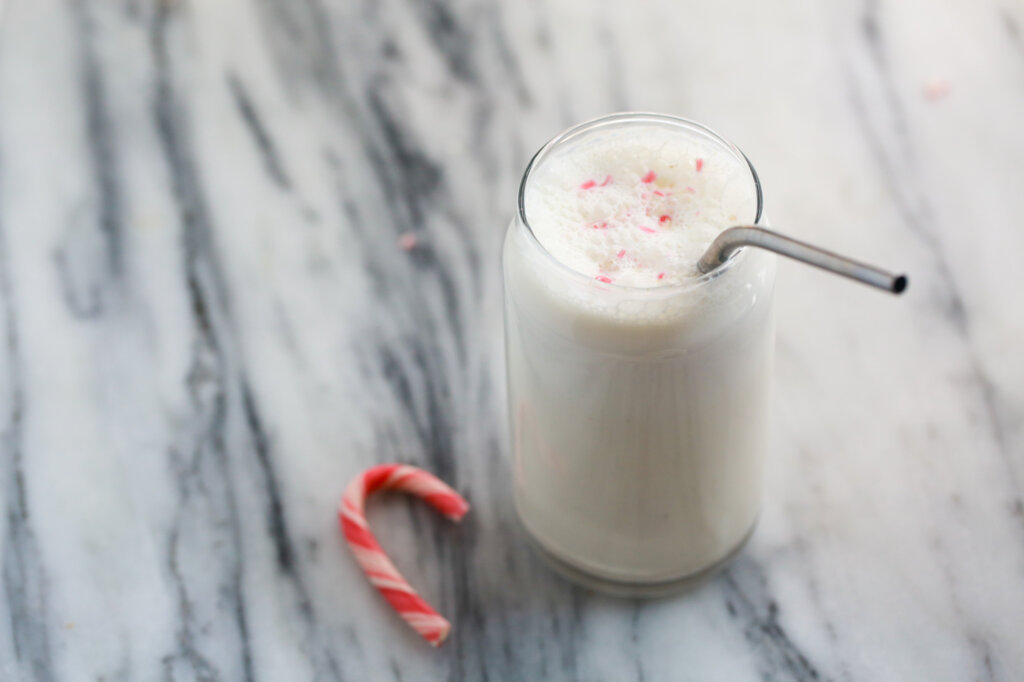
x,y
378,568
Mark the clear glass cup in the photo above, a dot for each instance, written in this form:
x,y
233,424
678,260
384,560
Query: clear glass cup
x,y
639,416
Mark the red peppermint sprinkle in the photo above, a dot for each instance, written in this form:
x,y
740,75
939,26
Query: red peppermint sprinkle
x,y
649,177
621,254
661,275
407,241
607,181
604,278
648,230
588,184
658,193
936,89
599,226
700,164
691,190
664,219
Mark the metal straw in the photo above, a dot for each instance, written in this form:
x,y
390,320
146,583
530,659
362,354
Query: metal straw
x,y
735,237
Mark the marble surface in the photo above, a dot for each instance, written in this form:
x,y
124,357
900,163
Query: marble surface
x,y
207,327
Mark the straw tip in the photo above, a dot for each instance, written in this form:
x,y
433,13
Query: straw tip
x,y
899,284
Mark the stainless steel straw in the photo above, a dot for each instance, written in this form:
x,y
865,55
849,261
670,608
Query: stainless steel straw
x,y
736,237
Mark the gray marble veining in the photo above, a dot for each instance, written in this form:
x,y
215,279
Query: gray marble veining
x,y
207,327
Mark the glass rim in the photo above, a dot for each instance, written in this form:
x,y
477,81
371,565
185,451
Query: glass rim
x,y
637,117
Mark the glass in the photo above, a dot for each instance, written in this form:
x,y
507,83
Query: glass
x,y
639,416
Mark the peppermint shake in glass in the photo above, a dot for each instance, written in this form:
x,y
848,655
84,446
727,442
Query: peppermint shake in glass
x,y
639,388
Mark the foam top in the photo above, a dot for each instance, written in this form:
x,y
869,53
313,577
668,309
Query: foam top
x,y
637,206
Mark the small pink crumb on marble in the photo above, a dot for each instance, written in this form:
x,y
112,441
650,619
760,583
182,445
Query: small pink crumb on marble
x,y
408,241
935,89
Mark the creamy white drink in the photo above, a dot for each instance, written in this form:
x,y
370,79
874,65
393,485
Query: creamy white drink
x,y
638,388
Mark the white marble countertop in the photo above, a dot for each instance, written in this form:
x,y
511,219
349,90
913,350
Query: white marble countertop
x,y
206,328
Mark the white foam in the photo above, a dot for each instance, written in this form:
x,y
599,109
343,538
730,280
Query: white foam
x,y
637,206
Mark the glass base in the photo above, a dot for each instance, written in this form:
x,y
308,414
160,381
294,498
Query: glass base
x,y
641,590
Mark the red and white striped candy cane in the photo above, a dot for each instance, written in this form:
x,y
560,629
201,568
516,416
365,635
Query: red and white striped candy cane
x,y
382,573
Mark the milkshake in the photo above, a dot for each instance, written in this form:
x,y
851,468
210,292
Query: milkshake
x,y
638,387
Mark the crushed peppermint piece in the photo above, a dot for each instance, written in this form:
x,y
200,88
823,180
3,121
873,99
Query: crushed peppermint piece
x,y
936,89
408,241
